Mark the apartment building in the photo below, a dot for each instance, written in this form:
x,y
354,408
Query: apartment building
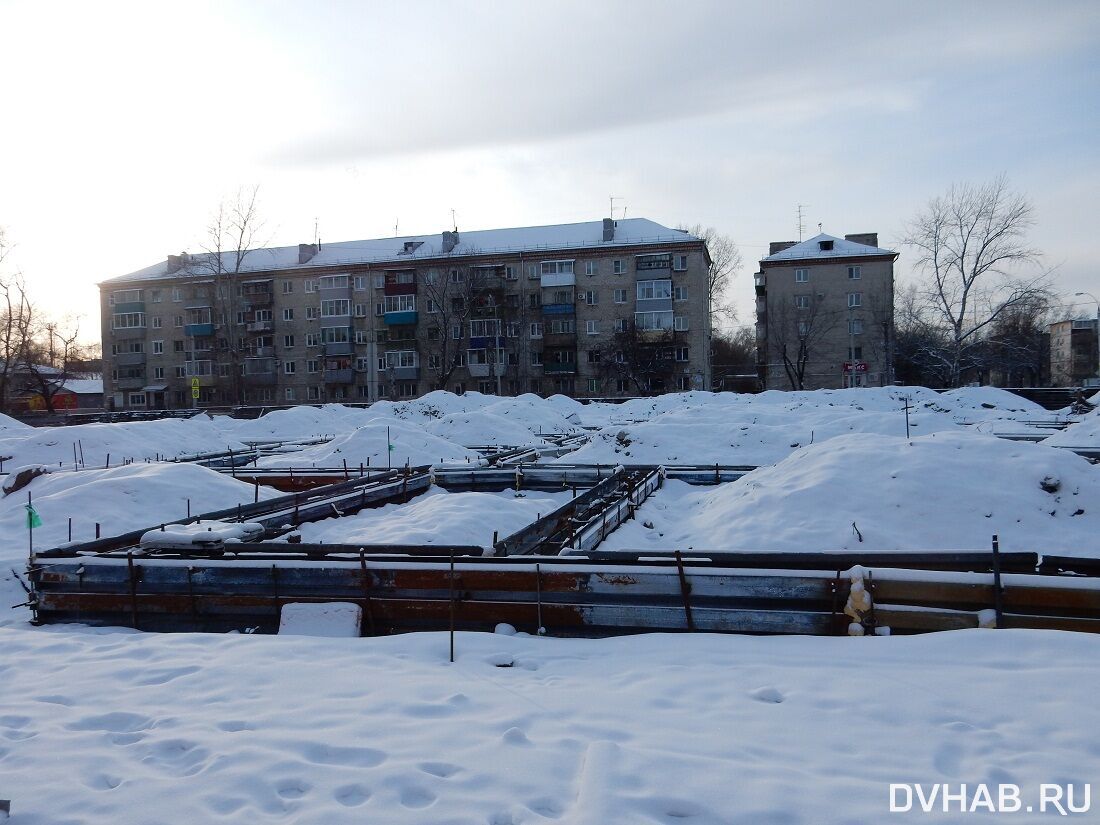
x,y
595,309
824,313
1074,358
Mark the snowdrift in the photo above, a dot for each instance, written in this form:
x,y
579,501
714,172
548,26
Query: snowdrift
x,y
944,491
367,446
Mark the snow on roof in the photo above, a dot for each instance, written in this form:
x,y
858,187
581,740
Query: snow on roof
x,y
84,386
555,238
811,248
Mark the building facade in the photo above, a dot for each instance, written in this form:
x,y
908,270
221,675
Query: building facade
x,y
1074,358
597,309
825,313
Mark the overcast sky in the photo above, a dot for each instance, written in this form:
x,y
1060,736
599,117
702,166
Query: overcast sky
x,y
124,124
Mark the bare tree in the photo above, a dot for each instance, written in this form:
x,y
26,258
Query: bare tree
x,y
725,261
645,359
971,247
797,335
232,234
16,320
455,294
51,358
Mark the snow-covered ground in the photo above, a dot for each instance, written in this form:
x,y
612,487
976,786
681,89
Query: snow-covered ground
x,y
945,491
717,730
438,517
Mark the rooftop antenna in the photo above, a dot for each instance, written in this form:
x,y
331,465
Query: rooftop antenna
x,y
454,223
317,230
396,223
819,229
801,220
611,200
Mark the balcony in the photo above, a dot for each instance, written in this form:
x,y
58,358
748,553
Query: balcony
x,y
480,370
257,299
399,289
403,373
260,379
560,339
559,309
195,330
263,352
648,266
260,326
345,375
130,383
558,279
487,342
127,359
129,306
337,348
127,333
394,319
559,369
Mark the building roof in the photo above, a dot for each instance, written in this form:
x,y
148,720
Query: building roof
x,y
84,386
811,249
549,239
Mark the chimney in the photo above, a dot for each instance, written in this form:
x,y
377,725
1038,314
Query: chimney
x,y
608,229
779,246
450,241
306,251
865,238
175,263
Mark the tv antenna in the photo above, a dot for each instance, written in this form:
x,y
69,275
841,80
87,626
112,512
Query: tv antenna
x,y
611,199
396,224
317,230
454,223
801,220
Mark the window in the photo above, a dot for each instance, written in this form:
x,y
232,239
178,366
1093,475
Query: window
x,y
590,268
680,293
313,393
433,362
154,295
620,325
622,385
563,327
288,287
128,320
311,313
593,356
532,271
288,393
536,329
592,327
124,296
680,262
680,323
399,303
311,286
801,276
360,283
536,358
557,267
855,353
855,299
362,336
593,385
484,327
854,273
158,348
223,370
288,341
510,273
802,301
177,294
289,367
333,282
177,346
682,354
653,320
433,307
654,290
591,297
685,382
620,296
337,307
360,310
617,267
649,262
288,314
156,322
400,358
137,399
312,365
456,332
362,364
855,326
335,335
313,339
457,276
179,320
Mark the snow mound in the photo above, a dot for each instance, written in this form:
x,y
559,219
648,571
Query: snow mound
x,y
11,426
1084,433
483,427
132,440
411,444
928,493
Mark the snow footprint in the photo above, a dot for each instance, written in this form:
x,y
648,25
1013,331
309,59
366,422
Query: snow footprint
x,y
351,796
414,796
768,694
443,770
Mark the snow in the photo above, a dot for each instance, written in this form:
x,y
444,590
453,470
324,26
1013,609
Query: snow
x,y
483,428
810,248
135,440
717,730
946,491
367,445
332,619
200,534
10,426
1083,433
532,239
438,517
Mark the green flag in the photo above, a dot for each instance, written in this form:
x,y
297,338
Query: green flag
x,y
391,448
33,519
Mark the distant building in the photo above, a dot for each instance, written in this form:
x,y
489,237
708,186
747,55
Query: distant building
x,y
825,313
65,393
590,310
1074,356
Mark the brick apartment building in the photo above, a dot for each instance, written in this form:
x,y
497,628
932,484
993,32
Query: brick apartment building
x,y
1073,353
824,313
596,309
